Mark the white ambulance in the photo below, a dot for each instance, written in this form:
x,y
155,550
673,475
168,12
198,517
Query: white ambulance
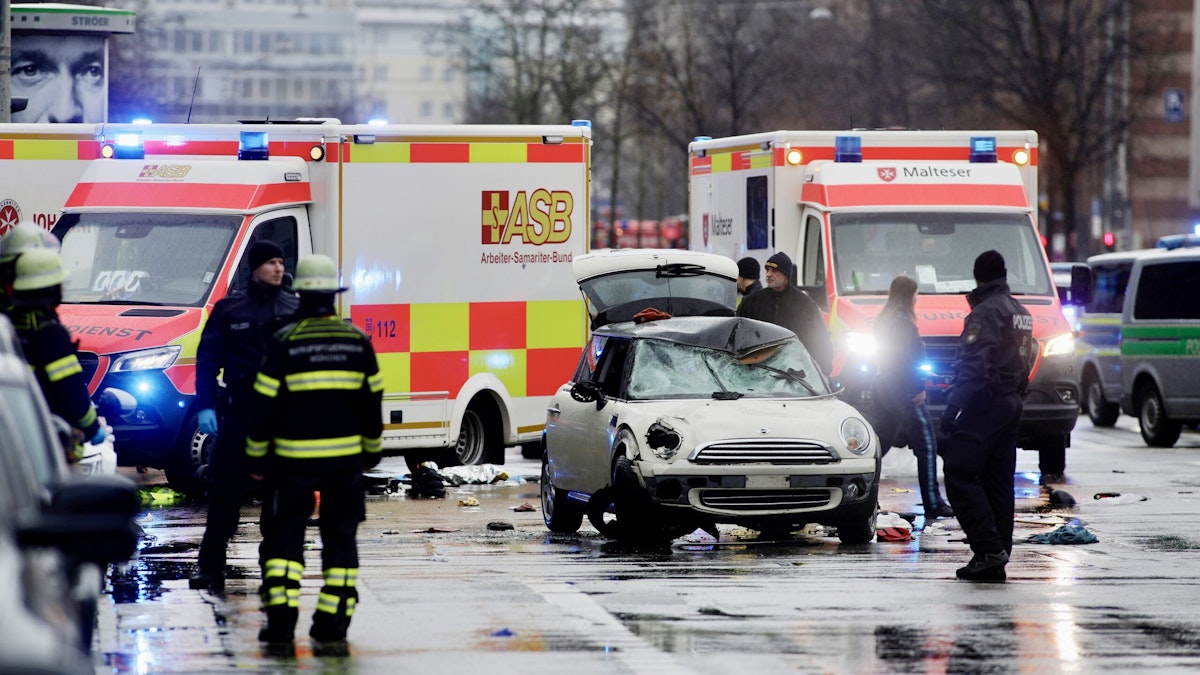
x,y
855,209
456,243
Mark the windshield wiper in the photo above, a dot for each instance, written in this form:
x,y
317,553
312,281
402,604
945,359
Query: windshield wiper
x,y
679,270
793,375
727,395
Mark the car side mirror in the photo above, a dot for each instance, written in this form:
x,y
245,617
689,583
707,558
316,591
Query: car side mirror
x,y
91,520
587,391
1081,284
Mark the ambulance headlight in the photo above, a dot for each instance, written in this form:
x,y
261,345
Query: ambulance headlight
x,y
159,358
1061,345
860,344
856,435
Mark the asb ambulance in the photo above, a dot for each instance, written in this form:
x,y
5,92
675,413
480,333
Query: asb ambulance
x,y
456,244
855,209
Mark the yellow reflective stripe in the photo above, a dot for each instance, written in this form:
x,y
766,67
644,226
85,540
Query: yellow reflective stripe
x,y
266,385
324,380
375,382
350,607
88,418
276,596
46,149
327,603
318,447
63,368
341,576
498,153
295,570
256,448
293,597
372,445
276,567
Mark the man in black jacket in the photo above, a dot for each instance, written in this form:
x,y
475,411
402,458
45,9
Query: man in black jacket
x,y
747,281
783,304
233,343
983,411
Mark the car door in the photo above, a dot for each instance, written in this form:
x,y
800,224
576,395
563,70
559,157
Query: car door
x,y
579,436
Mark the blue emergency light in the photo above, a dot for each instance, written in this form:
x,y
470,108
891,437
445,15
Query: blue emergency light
x,y
253,145
126,145
983,149
847,149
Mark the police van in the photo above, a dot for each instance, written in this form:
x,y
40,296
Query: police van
x,y
1160,344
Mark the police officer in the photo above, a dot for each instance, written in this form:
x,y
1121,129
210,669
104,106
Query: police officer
x,y
37,291
233,343
983,410
22,237
784,304
317,424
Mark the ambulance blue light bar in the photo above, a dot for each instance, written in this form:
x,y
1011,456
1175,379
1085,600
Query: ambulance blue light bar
x,y
983,149
252,145
125,145
847,149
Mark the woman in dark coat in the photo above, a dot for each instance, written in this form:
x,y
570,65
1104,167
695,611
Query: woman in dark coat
x,y
898,392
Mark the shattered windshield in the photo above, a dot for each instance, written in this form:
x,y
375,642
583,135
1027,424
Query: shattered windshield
x,y
938,250
663,369
144,258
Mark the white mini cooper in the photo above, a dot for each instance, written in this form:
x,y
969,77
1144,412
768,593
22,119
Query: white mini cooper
x,y
682,415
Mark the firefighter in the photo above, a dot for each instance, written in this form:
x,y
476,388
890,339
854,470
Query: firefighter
x,y
37,291
983,410
21,238
234,342
317,423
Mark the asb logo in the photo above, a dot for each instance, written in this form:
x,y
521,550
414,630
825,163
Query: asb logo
x,y
10,215
164,171
887,174
539,217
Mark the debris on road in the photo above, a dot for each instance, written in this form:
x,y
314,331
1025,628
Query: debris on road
x,y
524,508
1067,534
468,501
891,527
477,474
1115,498
499,526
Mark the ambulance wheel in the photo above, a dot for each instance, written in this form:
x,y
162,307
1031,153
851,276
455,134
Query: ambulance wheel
x,y
186,469
478,437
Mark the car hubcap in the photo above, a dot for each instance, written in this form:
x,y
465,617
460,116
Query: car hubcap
x,y
1095,398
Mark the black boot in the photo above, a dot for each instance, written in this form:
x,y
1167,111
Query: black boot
x,y
987,567
207,580
281,625
327,627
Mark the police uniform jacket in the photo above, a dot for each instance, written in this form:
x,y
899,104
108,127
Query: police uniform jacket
x,y
235,338
51,354
901,351
317,402
794,310
996,350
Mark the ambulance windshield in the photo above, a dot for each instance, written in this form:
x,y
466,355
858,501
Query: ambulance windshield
x,y
938,250
143,258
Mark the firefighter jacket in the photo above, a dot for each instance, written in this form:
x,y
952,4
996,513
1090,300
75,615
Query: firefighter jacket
x,y
236,337
794,310
51,355
996,350
317,402
901,351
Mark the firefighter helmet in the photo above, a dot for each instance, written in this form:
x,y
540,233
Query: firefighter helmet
x,y
21,238
317,274
37,269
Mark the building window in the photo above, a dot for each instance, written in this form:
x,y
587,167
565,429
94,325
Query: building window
x,y
426,109
426,73
448,75
448,111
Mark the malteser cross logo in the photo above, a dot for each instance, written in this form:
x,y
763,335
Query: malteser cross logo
x,y
887,174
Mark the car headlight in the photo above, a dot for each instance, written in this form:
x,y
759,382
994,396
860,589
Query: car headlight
x,y
663,439
861,344
856,435
1061,345
159,358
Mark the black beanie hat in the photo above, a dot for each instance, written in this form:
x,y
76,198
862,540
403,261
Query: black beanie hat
x,y
989,266
781,262
748,268
263,250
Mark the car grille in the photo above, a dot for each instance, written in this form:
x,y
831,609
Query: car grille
x,y
764,450
761,500
940,352
89,361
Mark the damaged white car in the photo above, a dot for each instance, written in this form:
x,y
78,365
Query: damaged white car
x,y
682,415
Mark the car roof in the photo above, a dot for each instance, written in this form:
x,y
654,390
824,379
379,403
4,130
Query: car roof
x,y
735,334
1124,256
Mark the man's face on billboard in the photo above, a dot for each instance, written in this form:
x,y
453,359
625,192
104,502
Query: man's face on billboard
x,y
62,76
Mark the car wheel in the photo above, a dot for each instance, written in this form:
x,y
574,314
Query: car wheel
x,y
557,510
1101,412
531,450
859,531
599,505
1158,430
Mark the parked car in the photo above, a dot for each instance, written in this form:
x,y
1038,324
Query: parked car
x,y
1160,344
58,530
682,415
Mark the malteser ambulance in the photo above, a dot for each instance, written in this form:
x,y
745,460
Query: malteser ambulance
x,y
855,209
455,241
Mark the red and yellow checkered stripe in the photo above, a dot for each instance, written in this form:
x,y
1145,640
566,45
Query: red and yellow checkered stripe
x,y
54,147
753,157
531,347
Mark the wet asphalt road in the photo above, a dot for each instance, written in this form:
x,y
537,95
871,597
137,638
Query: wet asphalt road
x,y
443,593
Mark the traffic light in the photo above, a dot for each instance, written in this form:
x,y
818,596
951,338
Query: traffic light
x,y
1110,240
